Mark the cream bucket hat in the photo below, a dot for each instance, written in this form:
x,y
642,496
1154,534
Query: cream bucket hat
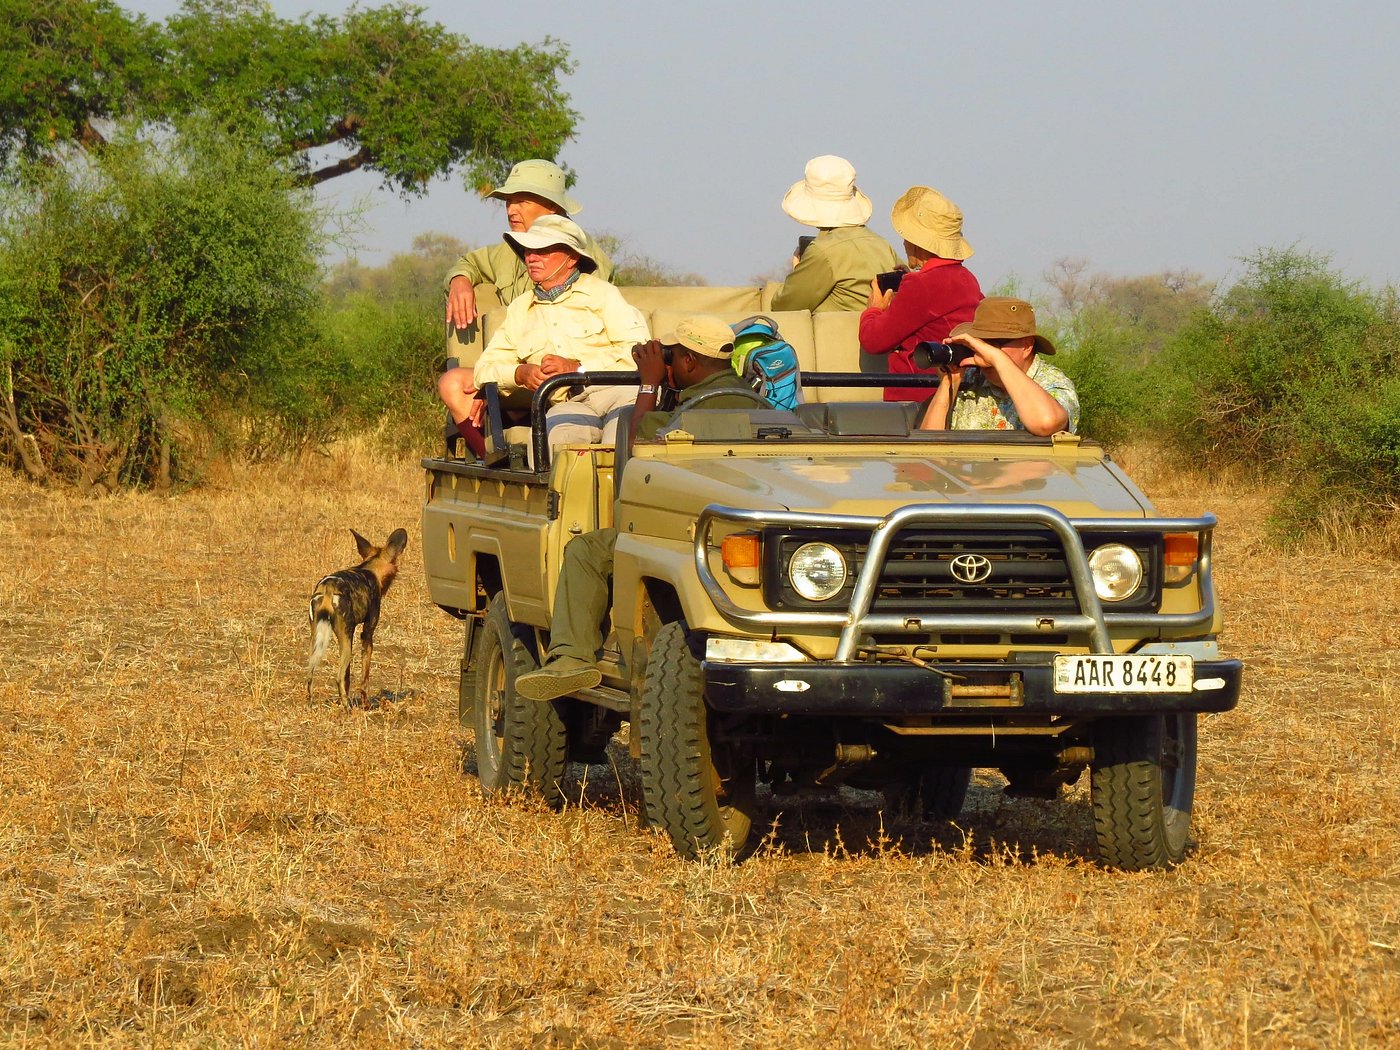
x,y
827,196
549,230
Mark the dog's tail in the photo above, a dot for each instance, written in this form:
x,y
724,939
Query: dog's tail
x,y
321,612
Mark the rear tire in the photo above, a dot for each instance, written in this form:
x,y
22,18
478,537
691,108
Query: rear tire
x,y
520,744
702,795
1142,785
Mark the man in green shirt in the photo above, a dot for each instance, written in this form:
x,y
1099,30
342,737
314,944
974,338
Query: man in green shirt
x,y
700,349
835,271
534,188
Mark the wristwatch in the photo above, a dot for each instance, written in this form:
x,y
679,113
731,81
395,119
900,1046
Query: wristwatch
x,y
646,388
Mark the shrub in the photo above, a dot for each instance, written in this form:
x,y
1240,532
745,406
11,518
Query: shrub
x,y
144,288
1294,372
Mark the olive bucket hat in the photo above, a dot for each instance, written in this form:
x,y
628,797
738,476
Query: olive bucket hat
x,y
925,217
550,230
1002,317
540,178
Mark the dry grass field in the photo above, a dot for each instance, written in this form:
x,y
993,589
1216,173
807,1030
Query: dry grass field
x,y
193,856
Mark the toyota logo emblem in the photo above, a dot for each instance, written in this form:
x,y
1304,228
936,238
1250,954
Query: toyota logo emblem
x,y
971,568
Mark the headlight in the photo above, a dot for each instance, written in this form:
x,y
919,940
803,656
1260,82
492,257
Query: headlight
x,y
1117,571
817,571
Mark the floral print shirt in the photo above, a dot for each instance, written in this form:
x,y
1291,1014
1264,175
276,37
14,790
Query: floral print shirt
x,y
981,406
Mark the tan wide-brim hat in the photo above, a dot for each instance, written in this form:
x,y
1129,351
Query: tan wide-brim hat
x,y
925,217
541,178
827,196
705,334
550,230
1002,317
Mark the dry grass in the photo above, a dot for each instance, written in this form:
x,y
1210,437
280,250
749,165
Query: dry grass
x,y
193,856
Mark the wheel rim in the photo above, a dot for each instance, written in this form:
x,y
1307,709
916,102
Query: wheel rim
x,y
494,718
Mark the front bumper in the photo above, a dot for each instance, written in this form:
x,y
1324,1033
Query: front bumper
x,y
887,690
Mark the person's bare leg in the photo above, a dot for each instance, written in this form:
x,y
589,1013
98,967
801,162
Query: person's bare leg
x,y
457,389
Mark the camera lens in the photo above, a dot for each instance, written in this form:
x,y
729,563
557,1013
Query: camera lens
x,y
666,354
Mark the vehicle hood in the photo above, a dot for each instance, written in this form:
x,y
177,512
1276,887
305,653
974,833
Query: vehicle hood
x,y
1077,485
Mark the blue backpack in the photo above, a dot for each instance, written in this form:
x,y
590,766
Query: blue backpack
x,y
767,361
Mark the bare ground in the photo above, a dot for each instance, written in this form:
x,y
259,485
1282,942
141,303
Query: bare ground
x,y
193,856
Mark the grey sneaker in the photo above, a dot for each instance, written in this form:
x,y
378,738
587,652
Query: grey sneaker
x,y
558,678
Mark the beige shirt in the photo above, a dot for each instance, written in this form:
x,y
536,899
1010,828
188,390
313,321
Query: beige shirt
x,y
499,266
590,323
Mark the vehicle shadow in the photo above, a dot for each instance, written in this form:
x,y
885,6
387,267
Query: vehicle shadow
x,y
993,827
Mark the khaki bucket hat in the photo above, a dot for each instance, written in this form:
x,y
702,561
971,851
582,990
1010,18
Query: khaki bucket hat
x,y
827,196
541,178
925,217
705,334
1002,317
550,230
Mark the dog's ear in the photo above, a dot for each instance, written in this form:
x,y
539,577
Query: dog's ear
x,y
398,540
367,550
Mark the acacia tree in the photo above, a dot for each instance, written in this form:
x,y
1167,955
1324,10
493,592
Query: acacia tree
x,y
379,89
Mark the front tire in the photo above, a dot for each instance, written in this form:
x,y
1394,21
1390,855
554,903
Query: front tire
x,y
1142,785
700,793
520,744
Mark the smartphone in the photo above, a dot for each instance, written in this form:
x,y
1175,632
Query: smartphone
x,y
889,282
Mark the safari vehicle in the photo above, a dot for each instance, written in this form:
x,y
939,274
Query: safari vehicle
x,y
830,596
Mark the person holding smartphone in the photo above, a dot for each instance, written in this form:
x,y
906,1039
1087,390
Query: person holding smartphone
x,y
937,294
833,268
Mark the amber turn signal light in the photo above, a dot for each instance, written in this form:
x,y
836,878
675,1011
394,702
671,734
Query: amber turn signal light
x,y
1180,552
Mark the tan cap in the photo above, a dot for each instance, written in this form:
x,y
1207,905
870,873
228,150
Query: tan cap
x,y
550,230
705,334
827,196
925,217
541,178
1002,317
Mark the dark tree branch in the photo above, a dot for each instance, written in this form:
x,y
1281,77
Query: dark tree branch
x,y
338,132
340,167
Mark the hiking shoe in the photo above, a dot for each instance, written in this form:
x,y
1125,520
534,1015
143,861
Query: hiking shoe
x,y
558,678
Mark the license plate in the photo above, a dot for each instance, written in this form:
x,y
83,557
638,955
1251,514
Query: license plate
x,y
1124,674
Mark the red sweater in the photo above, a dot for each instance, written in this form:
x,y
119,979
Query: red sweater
x,y
930,302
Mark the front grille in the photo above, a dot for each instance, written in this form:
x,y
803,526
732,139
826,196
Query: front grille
x,y
1023,567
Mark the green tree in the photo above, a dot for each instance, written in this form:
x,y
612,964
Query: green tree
x,y
379,89
69,66
143,290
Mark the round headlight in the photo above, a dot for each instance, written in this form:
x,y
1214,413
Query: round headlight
x,y
817,571
1117,571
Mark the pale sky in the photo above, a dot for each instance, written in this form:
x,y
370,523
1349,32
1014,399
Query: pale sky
x,y
1141,137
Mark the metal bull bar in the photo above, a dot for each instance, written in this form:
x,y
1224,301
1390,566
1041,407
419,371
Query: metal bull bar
x,y
857,619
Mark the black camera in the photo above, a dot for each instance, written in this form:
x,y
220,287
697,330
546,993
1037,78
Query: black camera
x,y
805,242
889,282
666,353
939,355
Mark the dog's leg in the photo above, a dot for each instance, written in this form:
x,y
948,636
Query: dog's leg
x,y
367,650
346,639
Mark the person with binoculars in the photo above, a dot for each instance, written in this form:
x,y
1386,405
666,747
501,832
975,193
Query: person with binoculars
x,y
996,377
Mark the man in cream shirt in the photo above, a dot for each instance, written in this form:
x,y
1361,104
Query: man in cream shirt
x,y
569,321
